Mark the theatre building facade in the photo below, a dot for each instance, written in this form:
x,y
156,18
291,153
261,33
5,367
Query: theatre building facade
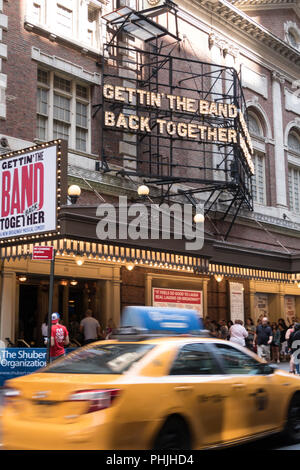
x,y
199,102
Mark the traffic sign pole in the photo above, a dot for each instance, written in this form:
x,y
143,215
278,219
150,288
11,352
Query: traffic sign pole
x,y
50,305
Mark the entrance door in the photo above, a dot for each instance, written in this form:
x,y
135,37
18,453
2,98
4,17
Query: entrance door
x,y
28,313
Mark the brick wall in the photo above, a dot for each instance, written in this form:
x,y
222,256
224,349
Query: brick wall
x,y
274,19
21,73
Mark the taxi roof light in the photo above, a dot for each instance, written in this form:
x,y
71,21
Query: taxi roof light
x,y
161,320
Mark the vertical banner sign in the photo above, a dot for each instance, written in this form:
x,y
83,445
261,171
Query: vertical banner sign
x,y
236,301
28,193
261,306
188,299
289,308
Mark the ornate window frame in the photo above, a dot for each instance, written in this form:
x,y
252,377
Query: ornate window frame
x,y
291,27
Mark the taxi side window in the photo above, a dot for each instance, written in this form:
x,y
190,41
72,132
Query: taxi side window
x,y
235,361
194,359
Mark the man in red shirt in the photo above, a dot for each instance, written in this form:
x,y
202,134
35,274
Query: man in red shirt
x,y
59,338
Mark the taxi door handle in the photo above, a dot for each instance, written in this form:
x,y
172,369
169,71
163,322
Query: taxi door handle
x,y
238,386
184,388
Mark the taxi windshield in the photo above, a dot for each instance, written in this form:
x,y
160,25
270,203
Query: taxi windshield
x,y
98,359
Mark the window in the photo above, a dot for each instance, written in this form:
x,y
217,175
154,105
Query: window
x,y
294,142
36,12
42,104
294,189
258,180
74,20
64,18
254,126
93,26
195,359
97,359
292,38
235,361
63,110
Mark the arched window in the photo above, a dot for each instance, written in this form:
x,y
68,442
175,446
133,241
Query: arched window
x,y
259,161
294,172
294,141
259,178
255,127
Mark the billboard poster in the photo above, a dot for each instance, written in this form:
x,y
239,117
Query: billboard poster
x,y
261,306
289,308
236,301
28,188
178,298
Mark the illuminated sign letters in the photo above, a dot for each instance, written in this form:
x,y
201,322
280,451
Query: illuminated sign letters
x,y
182,129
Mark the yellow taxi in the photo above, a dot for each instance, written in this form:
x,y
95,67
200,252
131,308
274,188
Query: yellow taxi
x,y
142,390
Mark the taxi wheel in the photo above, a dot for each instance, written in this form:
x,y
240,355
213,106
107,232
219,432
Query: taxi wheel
x,y
174,435
292,429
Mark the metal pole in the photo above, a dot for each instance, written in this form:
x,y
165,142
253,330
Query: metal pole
x,y
50,306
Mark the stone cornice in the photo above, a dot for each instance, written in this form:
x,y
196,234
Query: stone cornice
x,y
240,20
248,5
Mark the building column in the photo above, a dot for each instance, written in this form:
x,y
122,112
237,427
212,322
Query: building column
x,y
252,291
65,311
205,300
281,193
8,305
148,290
112,302
217,87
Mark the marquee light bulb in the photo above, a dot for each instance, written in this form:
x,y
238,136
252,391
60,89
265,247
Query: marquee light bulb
x,y
143,190
79,261
130,266
198,218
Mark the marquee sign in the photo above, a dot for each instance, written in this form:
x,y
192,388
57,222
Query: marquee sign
x,y
31,192
178,123
180,104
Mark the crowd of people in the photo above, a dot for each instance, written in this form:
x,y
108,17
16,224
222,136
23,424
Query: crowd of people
x,y
274,342
84,331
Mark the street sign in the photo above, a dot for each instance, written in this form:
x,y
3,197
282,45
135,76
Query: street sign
x,y
42,253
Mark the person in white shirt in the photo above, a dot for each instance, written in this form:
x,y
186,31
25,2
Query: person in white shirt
x,y
90,328
238,333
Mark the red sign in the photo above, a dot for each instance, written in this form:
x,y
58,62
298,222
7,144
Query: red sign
x,y
42,252
177,296
170,298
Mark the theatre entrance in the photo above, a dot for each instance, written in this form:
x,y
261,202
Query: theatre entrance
x,y
71,299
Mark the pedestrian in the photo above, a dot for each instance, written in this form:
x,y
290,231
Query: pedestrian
x,y
293,344
109,329
90,328
229,325
74,328
238,333
283,343
223,330
59,338
275,345
214,329
263,338
289,332
250,327
207,323
44,329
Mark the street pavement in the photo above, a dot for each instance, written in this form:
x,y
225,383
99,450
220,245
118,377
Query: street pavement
x,y
270,443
